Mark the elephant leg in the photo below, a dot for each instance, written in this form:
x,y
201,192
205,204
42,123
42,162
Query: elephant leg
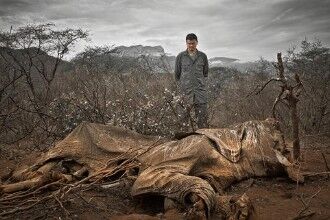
x,y
233,207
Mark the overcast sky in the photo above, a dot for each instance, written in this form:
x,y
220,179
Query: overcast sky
x,y
243,29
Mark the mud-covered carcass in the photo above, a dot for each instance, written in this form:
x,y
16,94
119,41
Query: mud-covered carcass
x,y
190,173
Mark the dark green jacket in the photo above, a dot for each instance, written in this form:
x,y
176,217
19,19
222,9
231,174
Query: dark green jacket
x,y
192,75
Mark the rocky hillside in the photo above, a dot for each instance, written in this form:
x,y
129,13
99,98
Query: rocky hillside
x,y
221,61
138,50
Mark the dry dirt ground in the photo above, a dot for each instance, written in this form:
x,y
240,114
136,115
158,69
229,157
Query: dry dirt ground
x,y
272,198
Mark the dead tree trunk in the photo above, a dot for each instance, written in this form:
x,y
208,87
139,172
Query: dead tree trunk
x,y
289,96
295,130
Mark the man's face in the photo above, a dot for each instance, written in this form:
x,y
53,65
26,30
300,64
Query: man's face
x,y
191,44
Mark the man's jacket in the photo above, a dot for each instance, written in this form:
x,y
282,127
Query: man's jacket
x,y
191,75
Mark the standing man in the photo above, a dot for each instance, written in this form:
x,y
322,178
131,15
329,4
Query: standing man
x,y
191,71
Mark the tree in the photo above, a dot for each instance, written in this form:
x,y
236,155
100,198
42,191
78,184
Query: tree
x,y
30,58
312,62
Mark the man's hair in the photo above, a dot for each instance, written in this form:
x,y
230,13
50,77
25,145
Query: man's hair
x,y
191,36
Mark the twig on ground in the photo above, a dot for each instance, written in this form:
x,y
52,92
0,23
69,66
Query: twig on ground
x,y
305,215
302,213
316,173
325,162
67,213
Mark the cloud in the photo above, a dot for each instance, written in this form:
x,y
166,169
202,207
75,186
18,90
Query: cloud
x,y
276,19
244,29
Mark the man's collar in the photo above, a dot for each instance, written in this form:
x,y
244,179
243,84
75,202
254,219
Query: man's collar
x,y
198,53
187,53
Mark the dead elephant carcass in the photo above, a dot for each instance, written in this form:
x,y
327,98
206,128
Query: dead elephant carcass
x,y
191,172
